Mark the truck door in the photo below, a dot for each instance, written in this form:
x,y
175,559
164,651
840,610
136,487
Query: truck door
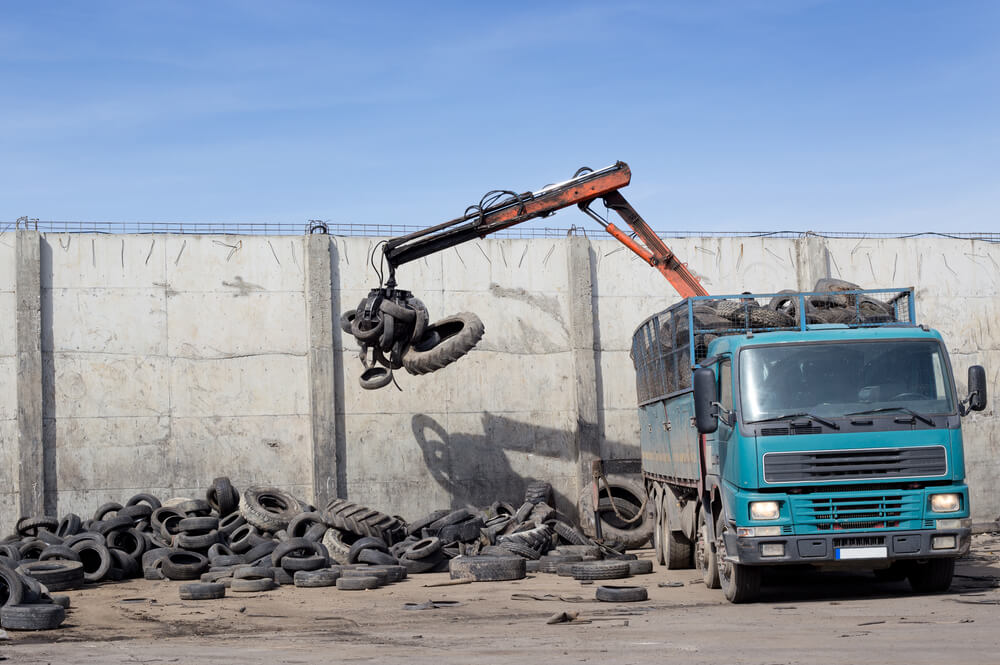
x,y
719,446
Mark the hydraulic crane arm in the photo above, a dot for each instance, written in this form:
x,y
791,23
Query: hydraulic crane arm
x,y
581,190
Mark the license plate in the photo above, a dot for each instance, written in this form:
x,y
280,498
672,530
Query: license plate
x,y
862,553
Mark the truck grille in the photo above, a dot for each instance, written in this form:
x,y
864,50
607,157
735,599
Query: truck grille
x,y
868,511
820,465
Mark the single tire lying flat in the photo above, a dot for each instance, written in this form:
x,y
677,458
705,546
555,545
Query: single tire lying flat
x,y
640,567
32,617
621,594
55,575
379,573
253,573
249,586
316,578
600,570
202,591
357,583
487,568
294,564
423,549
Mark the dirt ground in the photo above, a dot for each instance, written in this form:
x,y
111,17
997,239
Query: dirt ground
x,y
830,618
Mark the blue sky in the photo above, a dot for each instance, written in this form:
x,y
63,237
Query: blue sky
x,y
734,116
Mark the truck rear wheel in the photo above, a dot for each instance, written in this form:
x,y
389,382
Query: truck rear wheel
x,y
934,575
656,496
676,547
704,557
740,583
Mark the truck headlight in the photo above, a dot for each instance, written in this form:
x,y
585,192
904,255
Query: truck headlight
x,y
765,510
945,503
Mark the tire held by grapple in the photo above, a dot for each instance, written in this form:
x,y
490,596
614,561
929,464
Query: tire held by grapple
x,y
457,335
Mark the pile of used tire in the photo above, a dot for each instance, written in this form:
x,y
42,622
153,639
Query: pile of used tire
x,y
262,537
830,302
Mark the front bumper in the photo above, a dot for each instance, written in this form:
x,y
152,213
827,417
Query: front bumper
x,y
816,548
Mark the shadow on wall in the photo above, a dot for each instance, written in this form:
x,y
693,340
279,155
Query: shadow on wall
x,y
475,469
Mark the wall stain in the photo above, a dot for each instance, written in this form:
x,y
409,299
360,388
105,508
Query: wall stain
x,y
548,304
244,288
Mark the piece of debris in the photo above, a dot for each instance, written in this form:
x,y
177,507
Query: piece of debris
x,y
563,617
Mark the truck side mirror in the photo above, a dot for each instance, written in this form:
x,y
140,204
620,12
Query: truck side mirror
x,y
706,418
977,388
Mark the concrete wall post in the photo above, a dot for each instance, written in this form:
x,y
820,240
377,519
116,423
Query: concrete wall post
x,y
581,330
319,311
28,345
812,261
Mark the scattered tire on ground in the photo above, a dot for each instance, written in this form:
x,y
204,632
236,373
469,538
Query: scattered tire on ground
x,y
487,568
621,594
202,591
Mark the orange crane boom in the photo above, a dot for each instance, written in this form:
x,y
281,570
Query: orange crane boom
x,y
495,213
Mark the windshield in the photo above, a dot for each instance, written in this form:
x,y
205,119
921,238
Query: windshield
x,y
832,379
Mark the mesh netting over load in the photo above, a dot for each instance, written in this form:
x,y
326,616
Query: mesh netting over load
x,y
667,345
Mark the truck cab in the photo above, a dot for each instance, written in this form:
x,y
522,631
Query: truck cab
x,y
832,444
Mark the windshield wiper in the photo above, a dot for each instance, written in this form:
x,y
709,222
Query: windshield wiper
x,y
919,416
787,416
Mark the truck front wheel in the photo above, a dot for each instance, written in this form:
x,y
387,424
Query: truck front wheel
x,y
934,575
740,583
704,557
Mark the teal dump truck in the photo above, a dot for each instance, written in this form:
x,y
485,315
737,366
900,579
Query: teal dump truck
x,y
817,428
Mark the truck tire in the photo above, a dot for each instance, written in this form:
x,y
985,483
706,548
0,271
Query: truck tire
x,y
339,550
32,617
629,497
933,576
704,557
11,587
202,591
621,594
538,492
268,508
675,546
656,496
740,583
55,575
363,521
223,497
487,568
570,534
458,335
598,570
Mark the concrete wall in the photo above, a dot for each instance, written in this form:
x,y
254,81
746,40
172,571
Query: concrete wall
x,y
168,360
9,462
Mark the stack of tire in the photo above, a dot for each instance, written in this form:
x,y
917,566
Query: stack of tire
x,y
262,537
829,305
